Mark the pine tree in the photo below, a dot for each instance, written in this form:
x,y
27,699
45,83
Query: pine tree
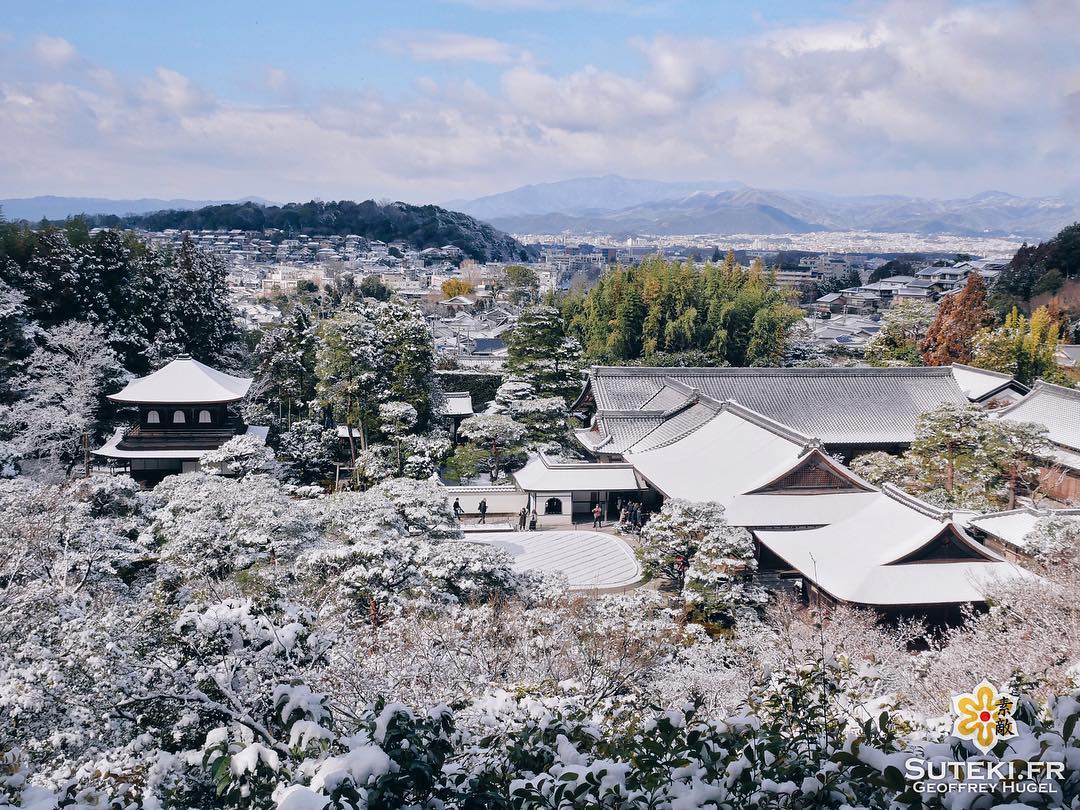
x,y
541,353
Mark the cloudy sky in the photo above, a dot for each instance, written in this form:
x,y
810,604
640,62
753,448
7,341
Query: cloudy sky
x,y
429,100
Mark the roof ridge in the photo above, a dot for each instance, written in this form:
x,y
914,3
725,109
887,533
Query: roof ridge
x,y
762,421
921,506
671,440
1030,510
990,372
771,371
1041,385
557,465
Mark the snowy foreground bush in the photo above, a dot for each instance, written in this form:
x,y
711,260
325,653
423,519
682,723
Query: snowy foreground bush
x,y
789,748
224,642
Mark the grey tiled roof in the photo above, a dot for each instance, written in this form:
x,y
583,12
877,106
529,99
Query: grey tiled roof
x,y
675,427
624,431
665,399
1055,406
836,405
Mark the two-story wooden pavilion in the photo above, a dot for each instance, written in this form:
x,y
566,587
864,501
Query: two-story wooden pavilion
x,y
183,412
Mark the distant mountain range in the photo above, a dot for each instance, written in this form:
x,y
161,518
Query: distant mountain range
x,y
624,207
34,209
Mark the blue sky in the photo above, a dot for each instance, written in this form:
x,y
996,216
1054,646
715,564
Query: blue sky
x,y
435,99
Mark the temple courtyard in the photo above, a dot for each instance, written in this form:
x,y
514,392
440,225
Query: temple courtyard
x,y
590,560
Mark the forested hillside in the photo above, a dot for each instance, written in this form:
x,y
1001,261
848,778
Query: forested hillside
x,y
1038,269
422,226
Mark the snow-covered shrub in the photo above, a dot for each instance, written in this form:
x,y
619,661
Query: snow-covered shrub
x,y
1055,540
241,455
209,525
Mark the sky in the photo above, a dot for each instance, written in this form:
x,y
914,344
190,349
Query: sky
x,y
433,100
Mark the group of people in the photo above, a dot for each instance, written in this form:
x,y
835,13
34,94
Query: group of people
x,y
482,509
526,517
631,517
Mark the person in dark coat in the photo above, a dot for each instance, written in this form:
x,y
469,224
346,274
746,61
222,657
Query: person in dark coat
x,y
483,510
458,511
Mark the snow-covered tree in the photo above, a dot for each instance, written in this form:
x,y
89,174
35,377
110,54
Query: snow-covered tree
x,y
210,525
307,451
719,580
60,394
541,353
397,420
241,455
675,534
544,419
511,391
1015,450
380,352
880,468
949,447
902,330
494,433
1055,540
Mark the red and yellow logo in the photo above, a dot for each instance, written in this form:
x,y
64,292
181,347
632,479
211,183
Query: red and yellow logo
x,y
984,716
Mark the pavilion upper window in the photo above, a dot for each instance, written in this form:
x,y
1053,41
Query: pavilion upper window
x,y
205,418
179,418
153,418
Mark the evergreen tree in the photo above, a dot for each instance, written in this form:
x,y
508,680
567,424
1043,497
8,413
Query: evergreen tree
x,y
378,352
541,353
207,325
495,433
902,329
948,443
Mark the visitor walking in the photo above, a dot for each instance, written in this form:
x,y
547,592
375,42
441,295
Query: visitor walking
x,y
483,510
532,521
523,517
597,514
458,511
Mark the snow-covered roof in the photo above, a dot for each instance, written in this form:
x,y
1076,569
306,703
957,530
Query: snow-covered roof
x,y
588,559
979,383
860,559
111,450
459,403
184,381
835,405
1056,407
732,452
544,475
1014,526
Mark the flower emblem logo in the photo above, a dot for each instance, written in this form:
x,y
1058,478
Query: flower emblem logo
x,y
984,716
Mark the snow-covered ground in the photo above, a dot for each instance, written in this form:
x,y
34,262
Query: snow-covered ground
x,y
589,559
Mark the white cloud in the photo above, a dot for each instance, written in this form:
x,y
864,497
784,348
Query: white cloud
x,y
54,52
448,46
